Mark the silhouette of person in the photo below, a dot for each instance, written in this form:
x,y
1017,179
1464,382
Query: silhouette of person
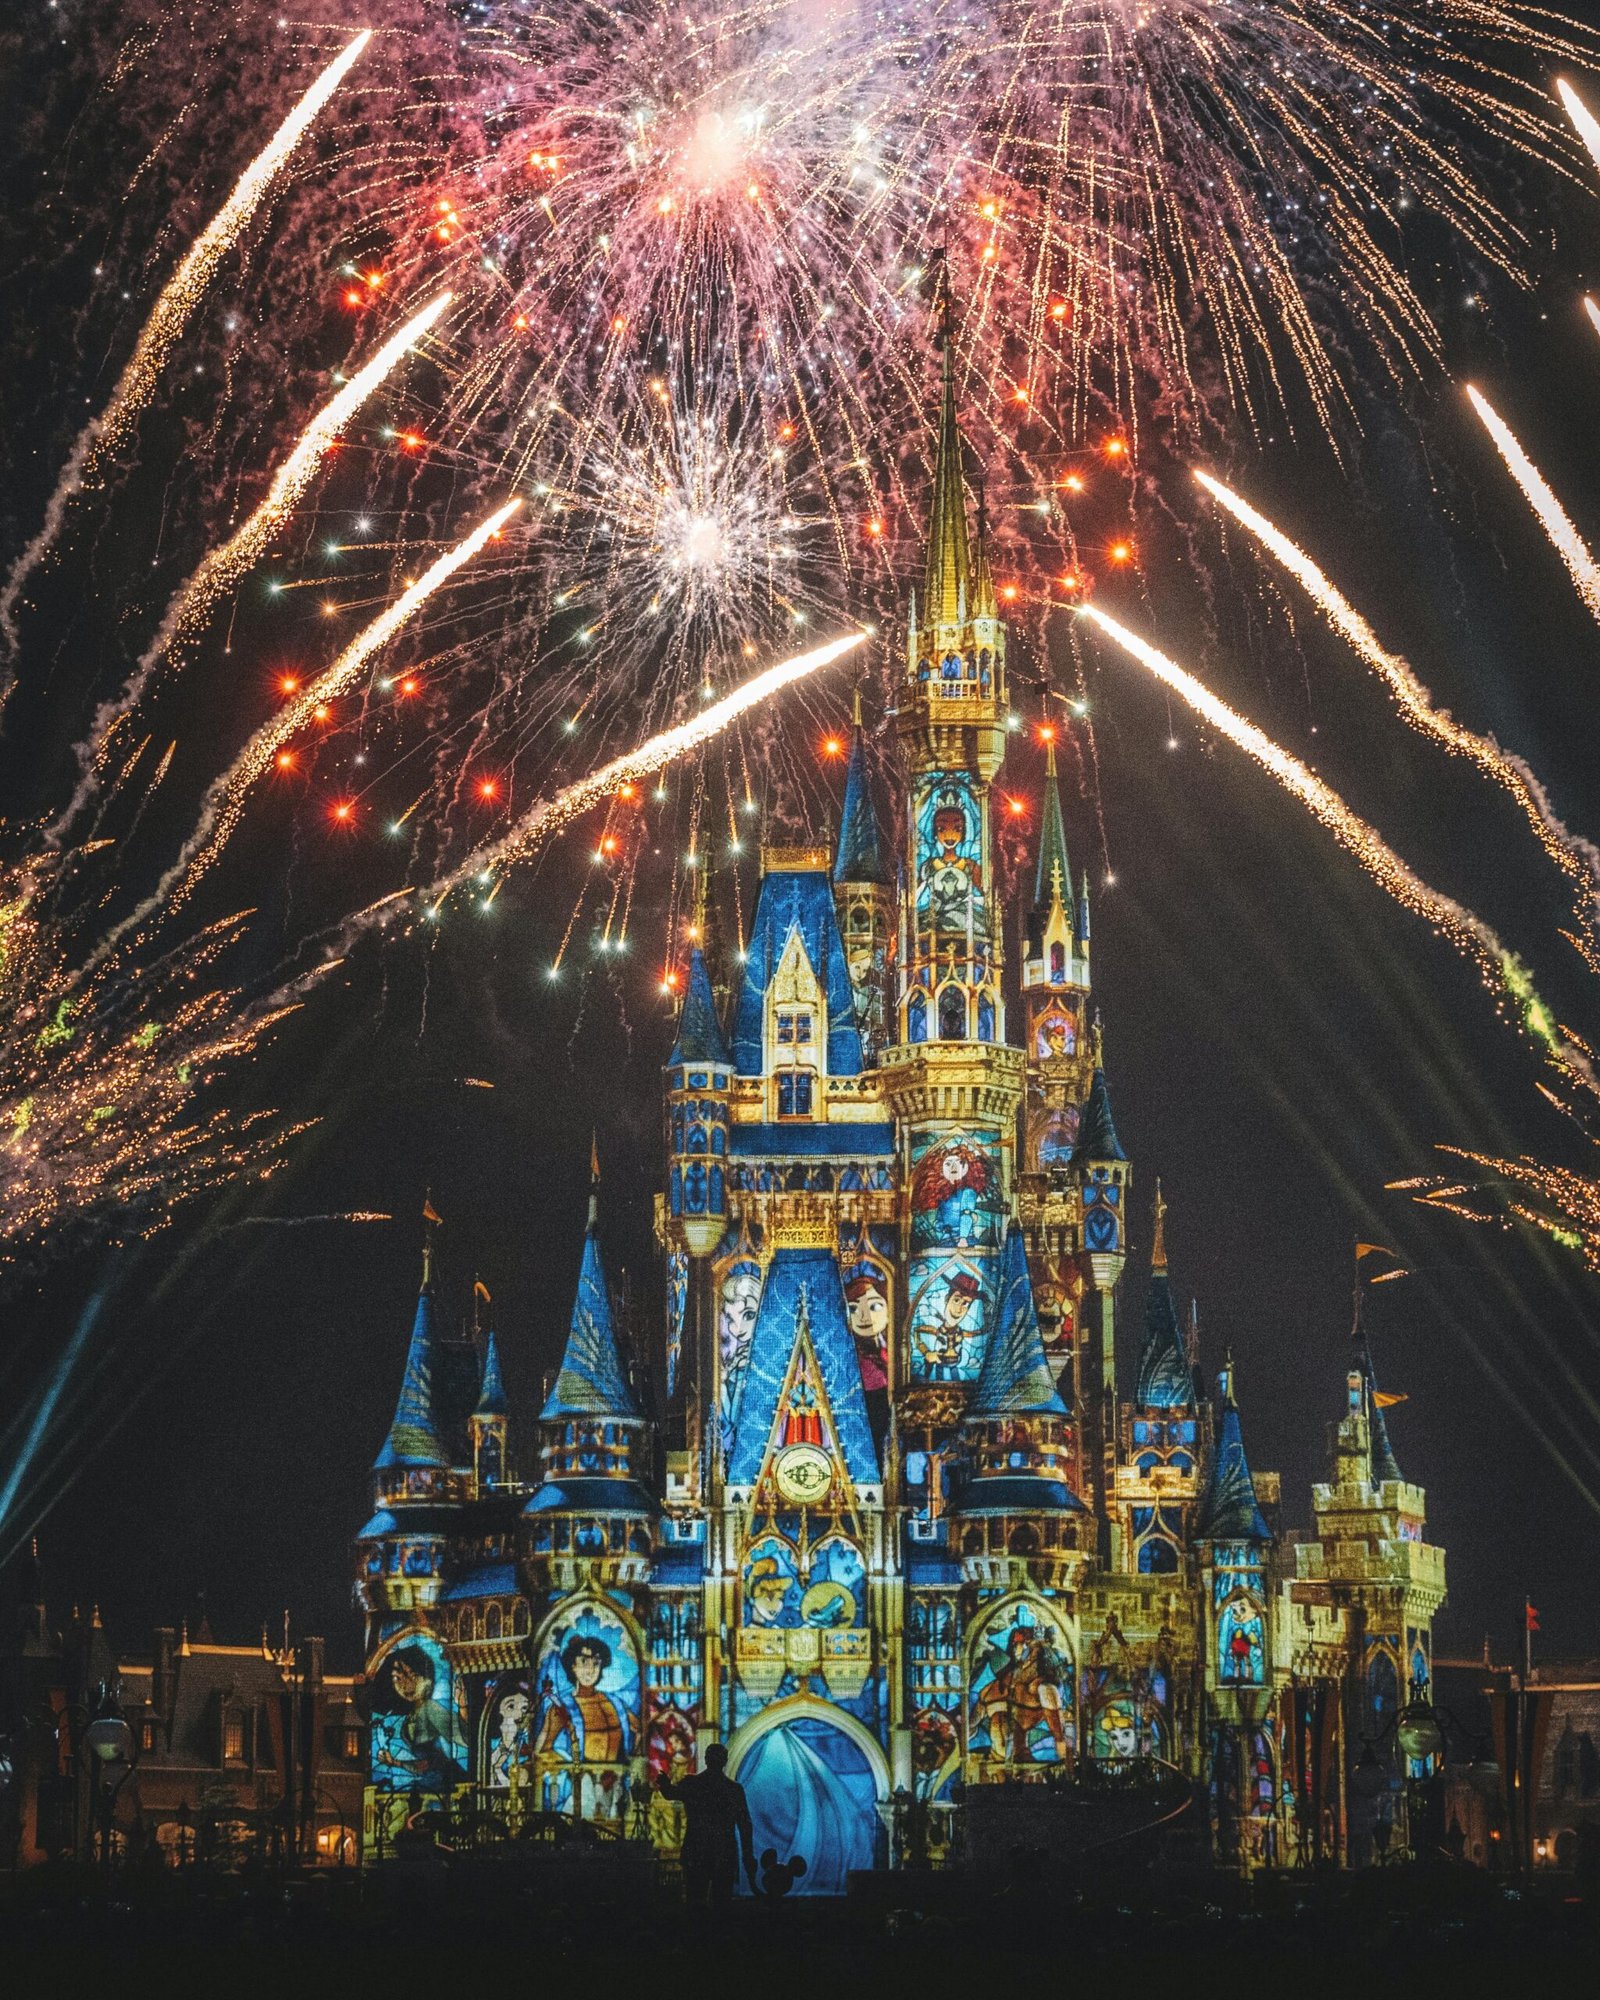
x,y
718,1835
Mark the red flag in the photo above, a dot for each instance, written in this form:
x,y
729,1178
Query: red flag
x,y
1530,1615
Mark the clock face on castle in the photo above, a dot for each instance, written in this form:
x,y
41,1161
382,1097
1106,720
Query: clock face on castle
x,y
803,1472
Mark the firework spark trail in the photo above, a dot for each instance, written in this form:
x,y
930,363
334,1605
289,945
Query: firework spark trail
x,y
1584,121
222,569
224,801
1502,971
1593,311
168,317
1576,857
548,816
1553,517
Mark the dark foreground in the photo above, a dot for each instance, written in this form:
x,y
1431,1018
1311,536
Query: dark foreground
x,y
517,1931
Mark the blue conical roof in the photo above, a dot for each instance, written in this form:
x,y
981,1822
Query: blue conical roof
x,y
1229,1512
592,1381
1384,1465
414,1435
802,1286
492,1395
859,857
700,1036
1097,1135
1015,1378
1164,1381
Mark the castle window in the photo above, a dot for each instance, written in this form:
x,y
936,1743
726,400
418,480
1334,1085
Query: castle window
x,y
352,1743
794,1027
952,1014
233,1736
1058,964
495,1623
917,1018
795,1093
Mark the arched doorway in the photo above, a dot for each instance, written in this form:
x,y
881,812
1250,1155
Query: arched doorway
x,y
813,1779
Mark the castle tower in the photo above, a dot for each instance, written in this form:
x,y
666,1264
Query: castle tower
x,y
1059,1045
1017,1516
400,1552
954,1087
1103,1179
489,1423
1235,1546
862,893
1368,1552
586,1526
1158,1477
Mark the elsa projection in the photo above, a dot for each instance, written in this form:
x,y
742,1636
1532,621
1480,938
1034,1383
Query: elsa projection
x,y
738,1299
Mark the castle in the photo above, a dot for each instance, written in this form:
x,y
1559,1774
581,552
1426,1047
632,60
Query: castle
x,y
897,1529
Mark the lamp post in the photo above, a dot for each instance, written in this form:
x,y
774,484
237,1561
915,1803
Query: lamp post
x,y
108,1742
1420,1741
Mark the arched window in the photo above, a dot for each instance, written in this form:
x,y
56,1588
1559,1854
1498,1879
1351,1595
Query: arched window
x,y
1058,964
917,1018
952,1014
495,1623
985,1018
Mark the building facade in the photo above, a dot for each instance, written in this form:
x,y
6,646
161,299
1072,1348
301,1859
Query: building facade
x,y
896,1527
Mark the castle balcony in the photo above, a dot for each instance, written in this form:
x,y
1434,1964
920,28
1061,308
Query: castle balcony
x,y
957,1080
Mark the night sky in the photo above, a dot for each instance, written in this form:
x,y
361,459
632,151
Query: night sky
x,y
1281,1040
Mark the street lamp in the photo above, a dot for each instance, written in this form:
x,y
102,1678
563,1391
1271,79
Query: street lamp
x,y
109,1742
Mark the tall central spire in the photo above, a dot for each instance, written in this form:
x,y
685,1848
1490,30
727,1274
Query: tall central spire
x,y
947,581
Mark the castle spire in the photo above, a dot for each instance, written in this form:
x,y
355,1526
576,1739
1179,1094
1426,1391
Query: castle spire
x,y
1164,1380
859,856
1230,1512
1052,882
948,575
592,1381
413,1438
700,1037
1015,1379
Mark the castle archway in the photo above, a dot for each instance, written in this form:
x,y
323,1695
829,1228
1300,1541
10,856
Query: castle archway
x,y
814,1777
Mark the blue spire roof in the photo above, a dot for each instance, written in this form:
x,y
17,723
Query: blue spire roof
x,y
1229,1511
492,1394
700,1036
1164,1380
1384,1465
859,857
1015,1378
1097,1135
802,1283
794,900
414,1435
592,1382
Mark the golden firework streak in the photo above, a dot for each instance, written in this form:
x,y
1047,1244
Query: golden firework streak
x,y
224,801
225,565
1503,972
1575,857
548,816
1553,517
1583,119
168,317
